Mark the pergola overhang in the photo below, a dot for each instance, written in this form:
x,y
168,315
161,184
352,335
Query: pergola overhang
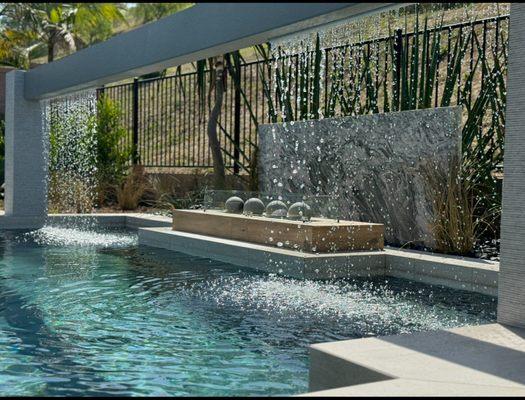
x,y
202,31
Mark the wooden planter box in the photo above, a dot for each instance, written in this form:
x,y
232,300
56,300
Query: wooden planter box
x,y
320,235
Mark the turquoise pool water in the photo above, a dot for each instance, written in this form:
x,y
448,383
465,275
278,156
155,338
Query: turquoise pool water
x,y
91,313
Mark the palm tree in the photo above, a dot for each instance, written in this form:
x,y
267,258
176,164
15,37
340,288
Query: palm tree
x,y
15,48
147,12
56,25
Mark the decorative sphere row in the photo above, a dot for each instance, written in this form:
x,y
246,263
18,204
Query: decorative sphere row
x,y
253,206
234,205
300,211
274,209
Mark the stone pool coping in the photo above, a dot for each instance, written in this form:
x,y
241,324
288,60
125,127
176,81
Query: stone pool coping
x,y
452,271
484,360
128,220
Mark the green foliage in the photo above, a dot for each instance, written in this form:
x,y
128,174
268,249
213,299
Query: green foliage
x,y
112,155
16,48
88,156
32,28
71,149
100,29
147,12
71,160
307,76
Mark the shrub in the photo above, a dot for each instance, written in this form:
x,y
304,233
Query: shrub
x,y
112,154
455,223
131,190
87,155
69,193
163,190
453,219
72,163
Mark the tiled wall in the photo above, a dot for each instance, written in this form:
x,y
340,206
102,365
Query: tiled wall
x,y
511,302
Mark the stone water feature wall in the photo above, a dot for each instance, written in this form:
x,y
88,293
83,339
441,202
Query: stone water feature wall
x,y
371,165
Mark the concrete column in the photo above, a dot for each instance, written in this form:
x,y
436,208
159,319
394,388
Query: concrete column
x,y
25,168
511,297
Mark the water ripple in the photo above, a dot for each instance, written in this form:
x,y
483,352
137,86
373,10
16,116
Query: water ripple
x,y
61,236
98,317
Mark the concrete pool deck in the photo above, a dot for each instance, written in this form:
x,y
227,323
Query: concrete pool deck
x,y
484,360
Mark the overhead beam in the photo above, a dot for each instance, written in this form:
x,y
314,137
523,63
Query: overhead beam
x,y
204,30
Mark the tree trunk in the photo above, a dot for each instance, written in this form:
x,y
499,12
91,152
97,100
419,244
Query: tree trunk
x,y
50,50
219,176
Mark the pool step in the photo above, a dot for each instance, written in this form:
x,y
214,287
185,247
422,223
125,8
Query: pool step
x,y
451,271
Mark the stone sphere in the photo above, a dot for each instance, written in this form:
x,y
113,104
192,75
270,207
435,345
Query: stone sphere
x,y
300,211
276,209
234,205
254,206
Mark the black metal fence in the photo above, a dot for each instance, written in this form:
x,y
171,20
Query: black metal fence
x,y
167,123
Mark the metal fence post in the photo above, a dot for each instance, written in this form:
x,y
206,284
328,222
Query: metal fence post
x,y
100,93
398,53
135,113
237,124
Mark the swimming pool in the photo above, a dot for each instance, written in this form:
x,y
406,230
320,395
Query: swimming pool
x,y
93,313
